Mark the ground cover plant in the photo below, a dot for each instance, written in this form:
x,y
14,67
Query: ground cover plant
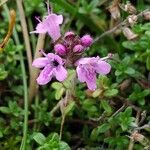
x,y
74,75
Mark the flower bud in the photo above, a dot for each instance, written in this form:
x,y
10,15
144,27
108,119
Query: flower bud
x,y
115,12
146,15
69,34
130,8
132,19
129,34
60,49
86,40
78,48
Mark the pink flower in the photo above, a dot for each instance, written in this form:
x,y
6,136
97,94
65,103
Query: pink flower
x,y
87,40
50,25
78,48
52,67
87,68
60,49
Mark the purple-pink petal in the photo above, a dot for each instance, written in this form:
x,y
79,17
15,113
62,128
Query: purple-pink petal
x,y
45,75
40,62
60,73
52,23
103,67
91,83
81,74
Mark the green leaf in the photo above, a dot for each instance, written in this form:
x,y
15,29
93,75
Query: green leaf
x,y
5,110
69,107
118,72
103,128
63,146
128,111
39,138
94,134
148,62
111,92
1,134
106,106
59,93
57,85
129,45
130,71
3,74
96,93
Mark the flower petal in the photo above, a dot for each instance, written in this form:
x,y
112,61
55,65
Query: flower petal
x,y
45,75
52,24
40,62
81,74
86,75
91,84
60,73
59,19
40,28
102,67
55,57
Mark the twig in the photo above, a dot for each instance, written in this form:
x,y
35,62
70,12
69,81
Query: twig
x,y
99,118
33,87
57,106
129,103
131,143
118,26
113,115
143,127
119,110
62,108
25,34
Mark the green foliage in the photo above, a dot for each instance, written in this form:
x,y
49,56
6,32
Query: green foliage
x,y
94,120
52,142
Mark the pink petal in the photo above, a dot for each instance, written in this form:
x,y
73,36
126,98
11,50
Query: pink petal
x,y
40,28
52,24
55,57
81,74
102,67
40,62
91,84
60,73
45,75
59,19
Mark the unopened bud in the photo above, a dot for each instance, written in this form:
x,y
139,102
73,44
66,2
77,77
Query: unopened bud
x,y
132,19
78,48
140,138
69,34
130,8
146,15
115,12
86,40
129,34
60,49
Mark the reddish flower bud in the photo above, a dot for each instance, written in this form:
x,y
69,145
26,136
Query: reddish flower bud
x,y
69,34
86,40
78,48
60,49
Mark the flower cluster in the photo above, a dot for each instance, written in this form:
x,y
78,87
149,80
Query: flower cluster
x,y
69,51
